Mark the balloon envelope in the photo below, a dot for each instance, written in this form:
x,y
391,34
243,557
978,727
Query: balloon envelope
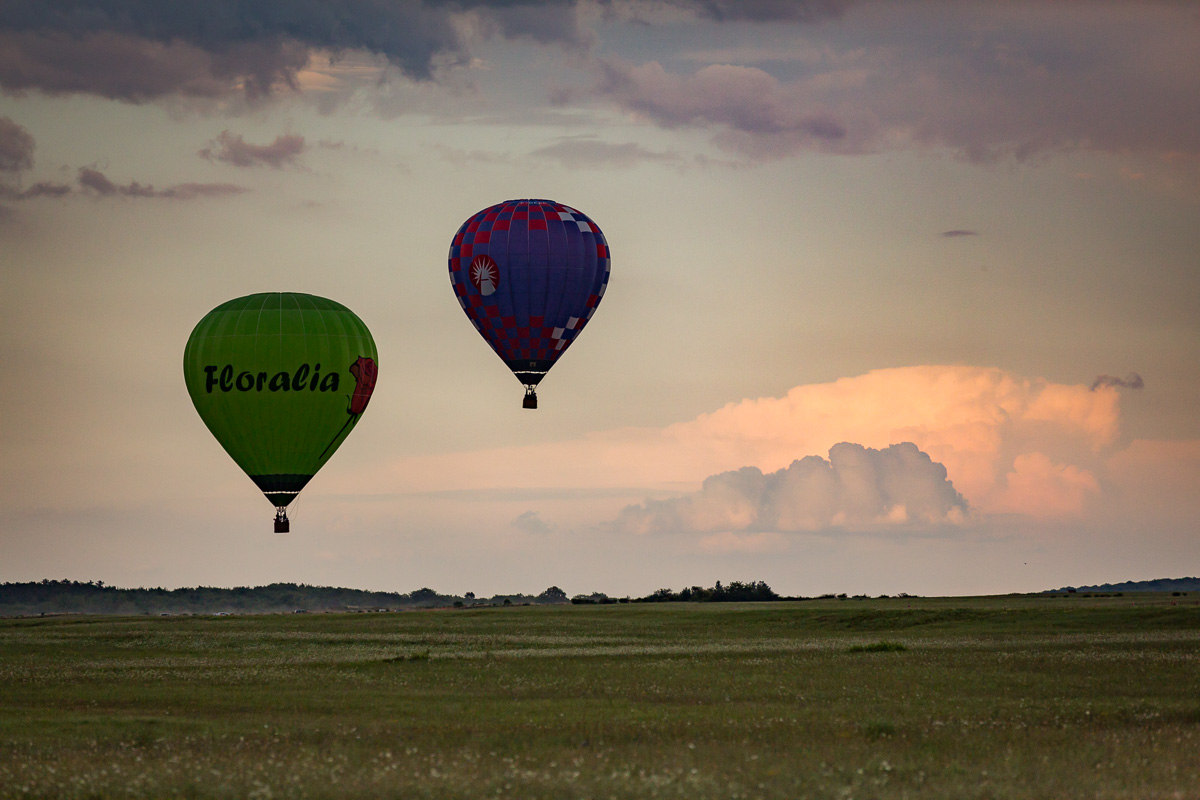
x,y
529,274
280,379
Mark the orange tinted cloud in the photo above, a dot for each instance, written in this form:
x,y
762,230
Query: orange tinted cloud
x,y
976,421
1157,480
1038,487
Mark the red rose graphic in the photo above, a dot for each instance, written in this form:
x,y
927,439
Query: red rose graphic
x,y
364,371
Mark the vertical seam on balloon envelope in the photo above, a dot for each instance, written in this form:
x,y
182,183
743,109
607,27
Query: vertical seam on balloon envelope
x,y
308,408
593,273
297,420
572,281
552,219
532,261
509,282
227,345
340,354
272,443
562,297
253,456
326,359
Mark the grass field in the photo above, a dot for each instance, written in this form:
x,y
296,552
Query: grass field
x,y
1002,697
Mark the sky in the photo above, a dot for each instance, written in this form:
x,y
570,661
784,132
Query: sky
x,y
905,296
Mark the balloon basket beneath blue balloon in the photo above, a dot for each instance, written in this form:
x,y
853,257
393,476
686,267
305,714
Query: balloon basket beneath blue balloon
x,y
281,521
530,398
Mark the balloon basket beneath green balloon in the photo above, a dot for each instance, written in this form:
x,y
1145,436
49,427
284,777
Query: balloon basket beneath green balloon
x,y
530,398
282,525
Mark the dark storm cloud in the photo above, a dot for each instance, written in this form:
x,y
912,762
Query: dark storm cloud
x,y
16,147
765,10
542,22
957,232
408,32
124,67
140,50
97,184
1130,381
235,150
856,488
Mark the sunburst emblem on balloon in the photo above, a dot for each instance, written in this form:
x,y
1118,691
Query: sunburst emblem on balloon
x,y
485,275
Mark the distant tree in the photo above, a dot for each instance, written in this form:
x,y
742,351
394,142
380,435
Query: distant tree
x,y
424,595
552,595
661,596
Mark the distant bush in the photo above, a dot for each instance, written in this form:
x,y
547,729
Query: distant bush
x,y
878,729
878,647
595,598
735,591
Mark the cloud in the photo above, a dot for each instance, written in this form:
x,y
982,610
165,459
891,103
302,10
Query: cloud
x,y
954,234
139,51
40,189
97,184
1037,487
460,157
530,522
757,114
765,10
727,542
590,152
1131,381
977,422
16,156
235,150
120,66
16,147
541,22
1156,481
984,81
857,488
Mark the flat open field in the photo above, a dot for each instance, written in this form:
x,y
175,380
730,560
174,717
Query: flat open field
x,y
1002,697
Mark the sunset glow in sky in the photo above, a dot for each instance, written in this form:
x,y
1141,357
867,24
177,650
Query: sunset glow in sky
x,y
905,297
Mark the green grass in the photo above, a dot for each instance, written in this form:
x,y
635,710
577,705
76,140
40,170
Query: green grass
x,y
1002,697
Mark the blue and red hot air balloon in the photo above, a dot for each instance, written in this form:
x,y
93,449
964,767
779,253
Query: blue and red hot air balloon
x,y
529,274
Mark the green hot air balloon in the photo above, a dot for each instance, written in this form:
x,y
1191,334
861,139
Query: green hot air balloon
x,y
280,379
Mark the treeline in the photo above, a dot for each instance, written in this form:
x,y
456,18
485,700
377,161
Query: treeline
x,y
1156,585
734,592
94,597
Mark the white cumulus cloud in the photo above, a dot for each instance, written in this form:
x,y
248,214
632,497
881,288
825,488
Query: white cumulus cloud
x,y
857,488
